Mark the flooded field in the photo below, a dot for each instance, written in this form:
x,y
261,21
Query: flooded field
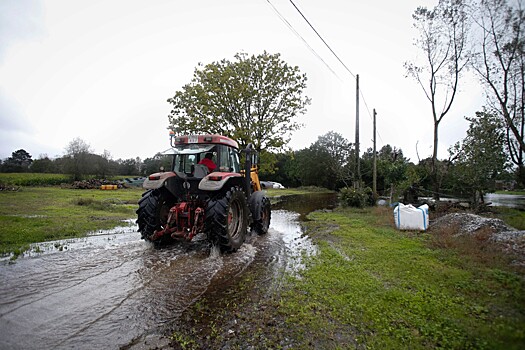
x,y
506,200
113,290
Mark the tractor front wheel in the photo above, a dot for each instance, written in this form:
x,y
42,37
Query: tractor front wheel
x,y
262,223
226,220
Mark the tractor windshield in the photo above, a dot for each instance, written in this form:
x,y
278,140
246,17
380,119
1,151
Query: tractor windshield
x,y
186,157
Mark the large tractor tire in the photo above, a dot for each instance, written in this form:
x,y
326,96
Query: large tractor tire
x,y
261,223
153,211
226,220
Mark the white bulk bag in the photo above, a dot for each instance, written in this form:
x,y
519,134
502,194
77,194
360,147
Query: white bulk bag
x,y
408,217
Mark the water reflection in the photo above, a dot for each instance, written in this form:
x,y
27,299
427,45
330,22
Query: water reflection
x,y
506,200
306,203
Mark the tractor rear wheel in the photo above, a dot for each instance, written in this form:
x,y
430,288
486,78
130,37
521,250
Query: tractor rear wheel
x,y
153,211
226,220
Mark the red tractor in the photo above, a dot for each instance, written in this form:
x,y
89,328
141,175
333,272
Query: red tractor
x,y
205,191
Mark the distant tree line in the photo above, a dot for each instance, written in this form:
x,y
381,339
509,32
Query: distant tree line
x,y
80,161
475,165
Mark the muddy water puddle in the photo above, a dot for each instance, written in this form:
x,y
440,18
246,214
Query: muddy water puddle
x,y
112,289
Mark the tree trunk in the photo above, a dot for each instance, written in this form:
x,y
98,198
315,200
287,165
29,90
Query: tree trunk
x,y
434,172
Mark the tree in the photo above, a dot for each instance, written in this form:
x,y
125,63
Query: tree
x,y
391,168
326,163
19,162
480,157
442,38
43,165
132,166
500,64
77,159
154,164
103,164
252,99
340,155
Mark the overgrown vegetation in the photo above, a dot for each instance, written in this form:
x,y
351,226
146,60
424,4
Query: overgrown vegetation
x,y
357,198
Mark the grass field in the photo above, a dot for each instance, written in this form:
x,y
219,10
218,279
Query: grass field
x,y
33,179
369,286
396,290
38,214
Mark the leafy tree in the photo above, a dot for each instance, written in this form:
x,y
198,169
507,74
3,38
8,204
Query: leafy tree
x,y
500,64
19,162
284,163
341,153
43,165
253,99
326,163
442,39
103,164
131,166
480,157
76,159
154,164
311,167
391,168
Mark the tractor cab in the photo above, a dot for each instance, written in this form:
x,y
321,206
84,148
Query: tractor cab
x,y
189,155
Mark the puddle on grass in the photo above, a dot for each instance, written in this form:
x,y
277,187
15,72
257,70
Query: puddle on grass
x,y
111,289
306,203
104,239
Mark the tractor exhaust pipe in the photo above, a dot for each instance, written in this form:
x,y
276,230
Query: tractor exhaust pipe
x,y
247,169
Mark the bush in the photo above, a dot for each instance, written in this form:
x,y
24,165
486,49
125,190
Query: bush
x,y
357,198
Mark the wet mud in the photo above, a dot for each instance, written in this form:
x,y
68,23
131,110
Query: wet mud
x,y
113,290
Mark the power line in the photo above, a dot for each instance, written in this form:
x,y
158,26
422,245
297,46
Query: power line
x,y
320,37
285,21
369,114
317,55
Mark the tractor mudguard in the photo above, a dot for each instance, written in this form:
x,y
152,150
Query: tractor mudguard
x,y
255,204
215,181
157,180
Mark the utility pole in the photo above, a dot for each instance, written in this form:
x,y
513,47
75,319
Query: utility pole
x,y
357,182
374,174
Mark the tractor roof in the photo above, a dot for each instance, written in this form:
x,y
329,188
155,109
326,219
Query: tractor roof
x,y
205,139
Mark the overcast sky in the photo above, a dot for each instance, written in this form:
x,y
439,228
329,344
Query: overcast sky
x,y
103,70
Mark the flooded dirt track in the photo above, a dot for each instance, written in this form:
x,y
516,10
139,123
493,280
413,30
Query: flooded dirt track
x,y
114,290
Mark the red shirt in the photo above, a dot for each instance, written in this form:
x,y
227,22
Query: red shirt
x,y
209,163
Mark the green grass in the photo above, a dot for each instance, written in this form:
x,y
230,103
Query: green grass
x,y
38,214
32,179
41,179
272,192
375,286
513,217
517,192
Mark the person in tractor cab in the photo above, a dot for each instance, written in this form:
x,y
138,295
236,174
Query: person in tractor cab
x,y
207,160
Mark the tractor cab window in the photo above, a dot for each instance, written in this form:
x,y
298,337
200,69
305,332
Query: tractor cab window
x,y
228,159
184,163
187,156
234,159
